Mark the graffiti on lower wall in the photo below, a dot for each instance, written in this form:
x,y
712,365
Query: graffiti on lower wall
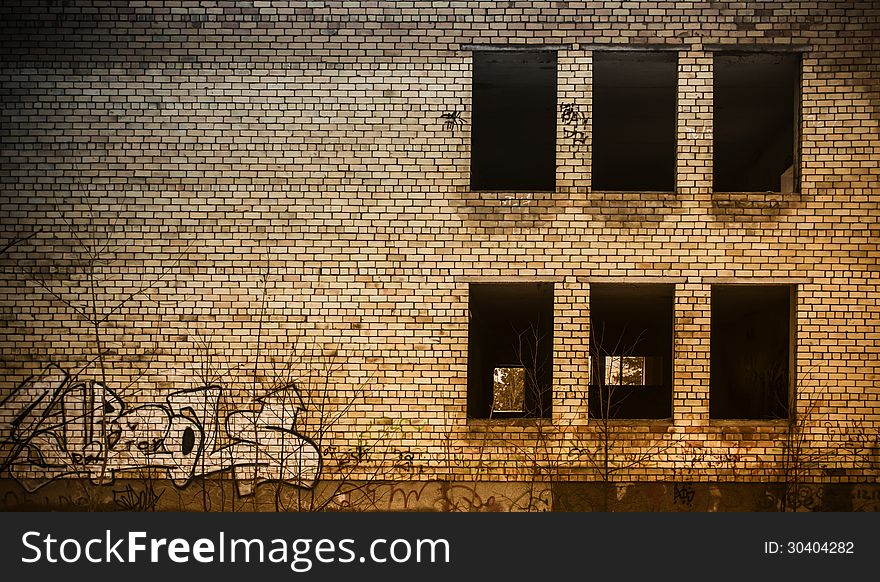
x,y
51,426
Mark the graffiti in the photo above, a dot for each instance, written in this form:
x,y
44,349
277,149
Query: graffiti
x,y
801,498
401,461
533,499
810,498
859,444
406,462
576,122
465,498
130,500
577,135
51,426
355,456
865,498
696,458
820,497
440,496
372,448
452,120
570,114
408,499
683,494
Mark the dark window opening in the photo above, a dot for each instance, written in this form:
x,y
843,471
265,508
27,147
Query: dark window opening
x,y
631,351
634,120
750,351
513,130
755,122
510,350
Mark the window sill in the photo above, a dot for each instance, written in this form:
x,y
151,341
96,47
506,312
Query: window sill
x,y
747,429
633,192
503,423
511,198
511,192
754,193
636,422
749,422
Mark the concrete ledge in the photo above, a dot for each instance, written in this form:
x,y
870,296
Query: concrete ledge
x,y
446,496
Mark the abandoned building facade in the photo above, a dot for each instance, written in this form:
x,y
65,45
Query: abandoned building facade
x,y
440,255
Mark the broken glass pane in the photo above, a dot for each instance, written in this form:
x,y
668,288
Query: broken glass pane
x,y
624,370
509,389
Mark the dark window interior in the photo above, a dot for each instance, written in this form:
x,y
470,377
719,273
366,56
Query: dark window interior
x,y
513,139
511,326
634,100
750,344
632,331
755,122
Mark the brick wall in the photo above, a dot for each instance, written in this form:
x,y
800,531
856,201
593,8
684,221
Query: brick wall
x,y
245,194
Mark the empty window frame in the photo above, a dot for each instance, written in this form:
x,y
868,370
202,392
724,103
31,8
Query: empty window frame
x,y
510,350
756,114
634,120
751,357
513,130
631,351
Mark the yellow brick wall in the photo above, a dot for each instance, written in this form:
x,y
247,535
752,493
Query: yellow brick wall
x,y
246,192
